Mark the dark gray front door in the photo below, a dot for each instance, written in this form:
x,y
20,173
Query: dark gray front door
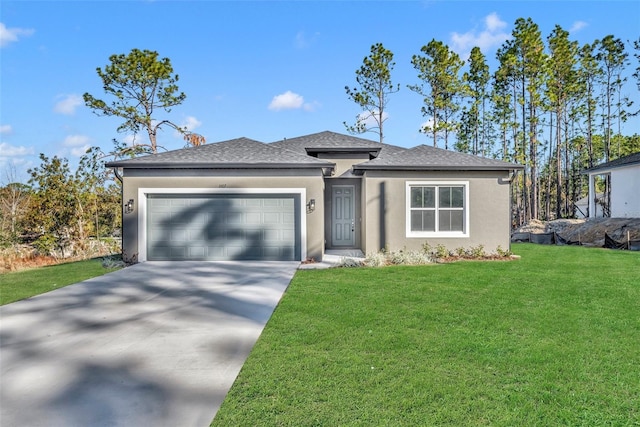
x,y
343,216
223,227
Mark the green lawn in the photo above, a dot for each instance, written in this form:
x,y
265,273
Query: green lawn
x,y
24,284
550,339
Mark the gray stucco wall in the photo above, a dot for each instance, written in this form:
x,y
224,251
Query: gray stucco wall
x,y
344,161
311,180
384,195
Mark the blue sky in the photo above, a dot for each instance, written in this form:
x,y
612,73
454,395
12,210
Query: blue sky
x,y
263,70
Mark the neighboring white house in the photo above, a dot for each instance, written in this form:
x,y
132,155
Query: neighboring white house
x,y
621,197
582,206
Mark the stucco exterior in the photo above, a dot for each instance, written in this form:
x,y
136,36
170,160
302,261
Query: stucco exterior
x,y
212,181
348,193
625,192
384,194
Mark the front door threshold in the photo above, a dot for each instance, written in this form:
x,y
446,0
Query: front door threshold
x,y
339,254
335,257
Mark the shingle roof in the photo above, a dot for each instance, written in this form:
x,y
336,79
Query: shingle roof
x,y
631,159
328,141
424,157
235,153
292,153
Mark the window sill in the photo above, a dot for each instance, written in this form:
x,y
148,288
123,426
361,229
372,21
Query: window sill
x,y
437,235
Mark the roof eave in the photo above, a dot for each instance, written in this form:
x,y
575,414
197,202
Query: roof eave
x,y
437,168
191,165
370,150
601,169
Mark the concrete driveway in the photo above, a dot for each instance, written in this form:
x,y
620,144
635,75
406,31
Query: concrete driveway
x,y
154,344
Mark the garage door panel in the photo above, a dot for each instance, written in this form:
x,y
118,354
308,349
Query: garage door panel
x,y
212,234
197,252
253,218
233,219
271,235
252,203
272,218
180,235
288,235
178,252
215,252
162,252
223,227
288,218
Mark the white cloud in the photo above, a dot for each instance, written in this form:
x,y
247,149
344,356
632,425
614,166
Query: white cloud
x,y
286,101
14,168
427,126
130,139
302,41
191,123
490,36
68,104
80,151
10,35
77,144
577,26
76,140
311,106
9,150
292,101
494,23
12,157
6,129
367,118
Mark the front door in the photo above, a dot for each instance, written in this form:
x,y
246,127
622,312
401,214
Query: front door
x,y
343,216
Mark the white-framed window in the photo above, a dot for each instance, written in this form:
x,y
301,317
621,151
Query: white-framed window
x,y
437,209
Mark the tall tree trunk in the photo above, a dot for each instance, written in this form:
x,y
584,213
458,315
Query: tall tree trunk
x,y
533,154
558,163
590,132
567,188
526,184
547,201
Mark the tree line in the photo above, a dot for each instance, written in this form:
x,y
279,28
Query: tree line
x,y
551,105
59,211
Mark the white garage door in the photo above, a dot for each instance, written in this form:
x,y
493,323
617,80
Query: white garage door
x,y
223,227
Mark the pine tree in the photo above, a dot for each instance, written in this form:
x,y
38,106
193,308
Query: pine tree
x,y
440,87
372,93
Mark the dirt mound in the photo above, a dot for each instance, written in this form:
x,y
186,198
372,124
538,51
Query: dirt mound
x,y
589,232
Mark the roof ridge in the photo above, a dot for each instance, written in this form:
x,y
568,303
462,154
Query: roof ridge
x,y
236,152
426,157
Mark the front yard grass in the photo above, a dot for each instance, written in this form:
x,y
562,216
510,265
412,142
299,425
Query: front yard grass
x,y
550,339
19,285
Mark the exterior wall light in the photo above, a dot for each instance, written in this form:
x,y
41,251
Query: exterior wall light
x,y
311,206
128,208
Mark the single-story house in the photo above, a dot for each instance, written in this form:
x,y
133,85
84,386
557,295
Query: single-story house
x,y
296,198
621,180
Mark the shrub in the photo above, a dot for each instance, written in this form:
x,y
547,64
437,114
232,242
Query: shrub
x,y
503,253
45,244
477,252
442,251
376,259
350,262
403,257
113,262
